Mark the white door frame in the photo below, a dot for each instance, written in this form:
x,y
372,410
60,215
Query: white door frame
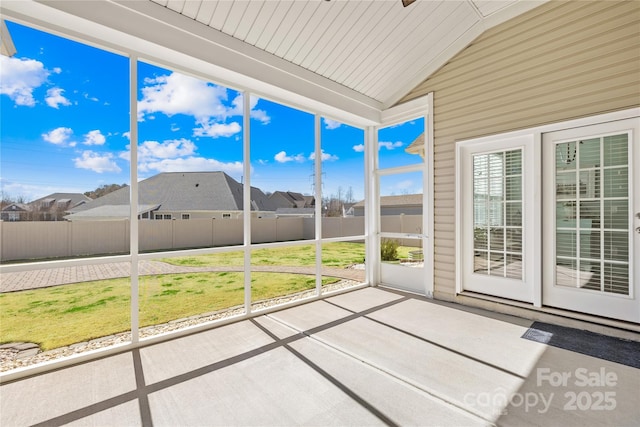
x,y
536,132
516,289
620,307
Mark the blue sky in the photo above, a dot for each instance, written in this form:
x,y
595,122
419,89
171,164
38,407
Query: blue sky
x,y
65,127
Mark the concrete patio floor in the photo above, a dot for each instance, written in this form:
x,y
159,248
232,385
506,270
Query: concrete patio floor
x,y
367,357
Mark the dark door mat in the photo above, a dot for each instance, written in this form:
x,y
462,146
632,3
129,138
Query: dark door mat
x,y
613,349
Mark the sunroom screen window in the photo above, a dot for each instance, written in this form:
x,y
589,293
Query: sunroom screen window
x,y
497,214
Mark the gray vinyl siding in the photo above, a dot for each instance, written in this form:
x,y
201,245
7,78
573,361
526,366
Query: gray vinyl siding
x,y
560,61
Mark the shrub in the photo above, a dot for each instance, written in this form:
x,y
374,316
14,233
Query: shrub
x,y
389,250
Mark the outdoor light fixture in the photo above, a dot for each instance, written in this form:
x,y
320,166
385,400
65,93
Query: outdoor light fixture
x,y
8,48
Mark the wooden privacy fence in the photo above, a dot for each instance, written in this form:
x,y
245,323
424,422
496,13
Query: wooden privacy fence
x,y
30,240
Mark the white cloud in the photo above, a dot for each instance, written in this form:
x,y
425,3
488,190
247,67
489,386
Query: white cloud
x,y
20,77
331,124
261,116
194,164
257,114
175,156
91,98
358,148
94,137
165,150
180,94
127,135
59,136
326,157
96,162
390,145
55,98
404,185
282,157
216,130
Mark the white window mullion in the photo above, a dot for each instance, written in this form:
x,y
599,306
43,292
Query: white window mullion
x,y
133,196
318,196
246,197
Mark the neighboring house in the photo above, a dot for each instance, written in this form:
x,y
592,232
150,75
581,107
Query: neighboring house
x,y
16,212
417,146
178,195
349,209
292,204
290,200
48,208
407,204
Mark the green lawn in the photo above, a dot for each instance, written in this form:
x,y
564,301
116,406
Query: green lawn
x,y
338,254
67,314
63,315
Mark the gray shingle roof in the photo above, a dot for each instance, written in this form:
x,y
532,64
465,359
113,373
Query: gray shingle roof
x,y
111,211
290,199
73,198
186,191
17,207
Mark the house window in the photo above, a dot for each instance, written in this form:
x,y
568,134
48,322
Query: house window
x,y
158,216
186,216
497,214
167,216
226,215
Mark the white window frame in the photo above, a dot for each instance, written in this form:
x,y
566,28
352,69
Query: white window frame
x,y
185,216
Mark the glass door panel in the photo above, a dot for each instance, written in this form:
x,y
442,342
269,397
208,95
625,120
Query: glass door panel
x,y
497,204
497,214
591,253
589,266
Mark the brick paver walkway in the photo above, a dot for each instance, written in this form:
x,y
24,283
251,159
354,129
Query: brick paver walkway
x,y
10,282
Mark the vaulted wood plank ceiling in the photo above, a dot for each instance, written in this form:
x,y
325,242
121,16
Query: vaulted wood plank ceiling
x,y
377,48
